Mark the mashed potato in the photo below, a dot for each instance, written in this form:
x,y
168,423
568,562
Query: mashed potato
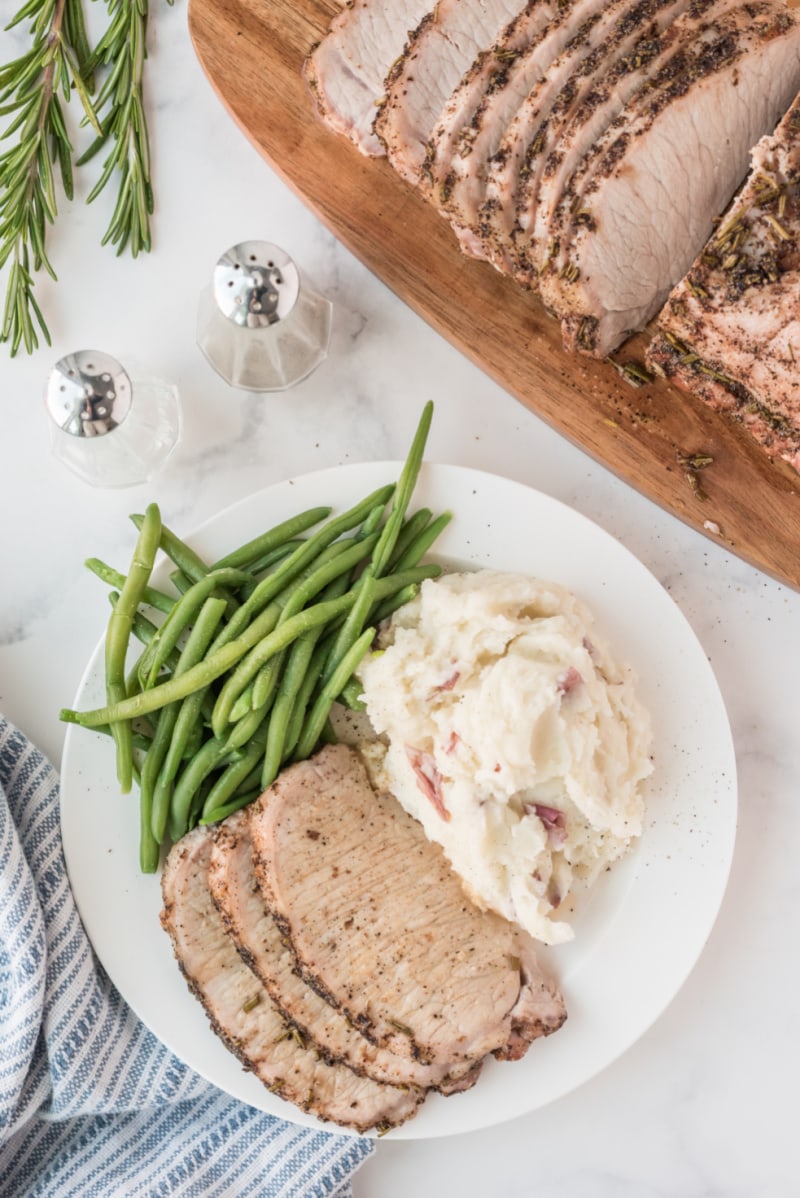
x,y
514,737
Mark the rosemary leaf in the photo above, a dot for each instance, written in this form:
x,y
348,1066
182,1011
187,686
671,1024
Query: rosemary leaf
x,y
29,86
122,51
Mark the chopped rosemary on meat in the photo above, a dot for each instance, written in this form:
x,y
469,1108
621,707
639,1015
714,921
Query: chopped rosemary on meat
x,y
634,373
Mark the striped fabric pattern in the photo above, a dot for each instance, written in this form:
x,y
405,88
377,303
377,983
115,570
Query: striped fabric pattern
x,y
92,1105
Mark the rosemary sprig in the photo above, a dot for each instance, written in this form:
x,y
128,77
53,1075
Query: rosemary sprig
x,y
57,61
123,50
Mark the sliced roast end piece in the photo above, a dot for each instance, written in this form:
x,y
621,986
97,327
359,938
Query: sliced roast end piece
x,y
730,330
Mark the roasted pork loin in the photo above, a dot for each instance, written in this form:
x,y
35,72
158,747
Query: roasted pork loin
x,y
584,148
244,1016
730,330
380,925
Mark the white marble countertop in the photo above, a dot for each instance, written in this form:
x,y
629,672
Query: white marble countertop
x,y
705,1103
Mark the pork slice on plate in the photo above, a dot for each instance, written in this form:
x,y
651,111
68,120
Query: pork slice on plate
x,y
381,927
243,1015
235,891
643,202
444,45
346,70
730,330
641,37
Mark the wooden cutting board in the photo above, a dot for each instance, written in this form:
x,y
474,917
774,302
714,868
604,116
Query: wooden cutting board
x,y
252,52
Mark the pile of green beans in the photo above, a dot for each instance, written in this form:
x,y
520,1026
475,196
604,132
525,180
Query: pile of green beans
x,y
252,651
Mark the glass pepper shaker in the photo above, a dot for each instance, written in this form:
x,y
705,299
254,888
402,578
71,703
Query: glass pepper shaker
x,y
260,324
110,431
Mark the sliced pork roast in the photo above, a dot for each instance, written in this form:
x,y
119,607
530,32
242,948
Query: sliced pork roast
x,y
380,925
583,147
346,70
474,117
643,201
508,129
244,1016
445,44
532,135
730,330
240,902
640,41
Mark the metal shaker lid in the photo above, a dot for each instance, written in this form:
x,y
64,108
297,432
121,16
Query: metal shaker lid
x,y
256,284
88,393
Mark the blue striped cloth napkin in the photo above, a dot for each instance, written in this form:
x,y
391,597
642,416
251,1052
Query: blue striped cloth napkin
x,y
92,1105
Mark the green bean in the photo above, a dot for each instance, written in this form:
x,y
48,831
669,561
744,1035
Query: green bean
x,y
181,616
307,553
196,736
292,597
118,636
261,633
407,555
253,779
144,630
187,739
261,567
354,621
198,800
248,725
180,581
411,528
403,492
114,578
235,804
350,696
302,673
320,710
243,705
196,644
194,773
420,545
311,617
266,680
275,538
347,557
141,740
235,773
179,552
387,608
260,652
303,698
194,679
328,734
309,582
371,522
291,683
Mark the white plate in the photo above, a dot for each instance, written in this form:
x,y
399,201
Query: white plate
x,y
644,924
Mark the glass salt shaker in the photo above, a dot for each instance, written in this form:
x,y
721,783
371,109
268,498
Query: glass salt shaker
x,y
110,431
260,324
